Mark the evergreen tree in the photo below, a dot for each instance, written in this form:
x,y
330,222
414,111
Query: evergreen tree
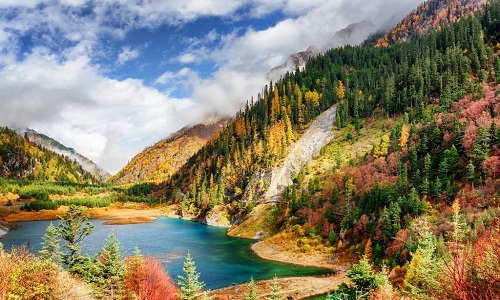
x,y
112,269
275,293
252,291
363,276
190,288
73,229
471,173
437,188
51,249
481,148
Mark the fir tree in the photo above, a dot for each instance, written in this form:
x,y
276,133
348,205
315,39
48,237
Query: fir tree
x,y
190,287
51,249
471,173
252,291
275,293
363,276
112,269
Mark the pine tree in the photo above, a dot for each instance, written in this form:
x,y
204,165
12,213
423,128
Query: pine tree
x,y
73,229
275,293
190,287
112,269
51,249
252,291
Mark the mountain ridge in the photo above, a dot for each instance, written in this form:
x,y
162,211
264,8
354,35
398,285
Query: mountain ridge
x,y
53,145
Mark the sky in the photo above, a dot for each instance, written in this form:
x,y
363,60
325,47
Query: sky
x,y
111,77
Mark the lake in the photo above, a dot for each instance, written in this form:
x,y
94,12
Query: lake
x,y
220,259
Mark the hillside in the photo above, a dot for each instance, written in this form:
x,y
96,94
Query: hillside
x,y
158,162
53,145
22,159
430,15
411,175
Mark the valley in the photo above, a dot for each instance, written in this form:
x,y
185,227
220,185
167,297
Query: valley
x,y
370,173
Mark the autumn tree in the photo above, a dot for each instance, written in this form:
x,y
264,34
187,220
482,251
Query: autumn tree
x,y
146,279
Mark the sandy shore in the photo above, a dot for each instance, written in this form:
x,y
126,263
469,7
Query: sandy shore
x,y
117,213
296,287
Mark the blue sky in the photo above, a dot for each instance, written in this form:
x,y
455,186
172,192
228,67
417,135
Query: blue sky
x,y
111,77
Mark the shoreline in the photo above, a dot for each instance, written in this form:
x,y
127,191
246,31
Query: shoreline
x,y
296,287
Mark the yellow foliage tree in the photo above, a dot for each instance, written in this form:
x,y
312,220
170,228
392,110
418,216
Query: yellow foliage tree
x,y
405,134
383,148
340,90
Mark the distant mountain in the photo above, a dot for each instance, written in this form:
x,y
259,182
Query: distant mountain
x,y
430,15
160,161
353,34
294,61
53,145
21,158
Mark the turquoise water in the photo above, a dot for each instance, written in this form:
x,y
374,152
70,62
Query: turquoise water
x,y
221,260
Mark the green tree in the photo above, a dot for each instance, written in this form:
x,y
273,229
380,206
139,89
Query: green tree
x,y
51,249
111,268
275,293
471,175
190,287
363,276
424,269
73,229
252,291
481,149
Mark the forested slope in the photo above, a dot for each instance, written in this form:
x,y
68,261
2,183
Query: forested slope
x,y
22,159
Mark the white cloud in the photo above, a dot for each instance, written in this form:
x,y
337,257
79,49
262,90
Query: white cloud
x,y
127,54
73,103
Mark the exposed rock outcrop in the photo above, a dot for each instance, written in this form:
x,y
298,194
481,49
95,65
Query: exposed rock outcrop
x,y
316,137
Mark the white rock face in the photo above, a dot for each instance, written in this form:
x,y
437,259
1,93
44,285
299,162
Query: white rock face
x,y
316,137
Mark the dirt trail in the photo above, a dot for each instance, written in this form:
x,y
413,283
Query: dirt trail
x,y
316,137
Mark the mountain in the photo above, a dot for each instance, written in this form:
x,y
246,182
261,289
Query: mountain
x,y
22,159
353,34
294,61
53,145
416,138
160,161
430,15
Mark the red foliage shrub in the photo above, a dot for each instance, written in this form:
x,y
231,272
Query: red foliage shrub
x,y
397,276
474,273
146,280
360,229
402,236
492,166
